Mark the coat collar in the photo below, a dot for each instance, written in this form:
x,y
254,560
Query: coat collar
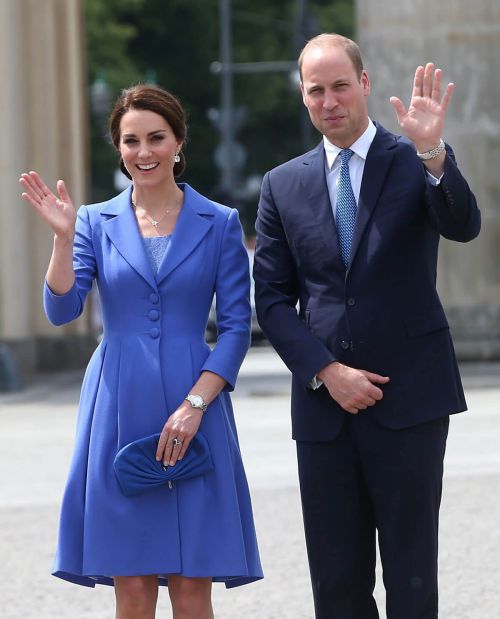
x,y
193,223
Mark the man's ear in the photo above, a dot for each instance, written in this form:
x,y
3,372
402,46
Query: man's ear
x,y
365,82
302,91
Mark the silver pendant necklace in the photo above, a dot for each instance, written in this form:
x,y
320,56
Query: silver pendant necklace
x,y
154,222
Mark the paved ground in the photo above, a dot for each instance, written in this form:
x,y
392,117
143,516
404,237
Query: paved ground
x,y
36,433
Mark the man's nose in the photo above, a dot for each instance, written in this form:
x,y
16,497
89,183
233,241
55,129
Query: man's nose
x,y
329,100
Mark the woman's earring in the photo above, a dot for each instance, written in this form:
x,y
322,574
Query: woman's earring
x,y
177,157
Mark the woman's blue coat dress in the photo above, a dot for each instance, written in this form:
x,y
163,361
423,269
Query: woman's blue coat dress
x,y
151,354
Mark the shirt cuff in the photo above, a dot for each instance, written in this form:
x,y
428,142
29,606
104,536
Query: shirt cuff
x,y
433,180
315,383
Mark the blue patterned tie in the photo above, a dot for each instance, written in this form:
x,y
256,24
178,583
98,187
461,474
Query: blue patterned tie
x,y
346,207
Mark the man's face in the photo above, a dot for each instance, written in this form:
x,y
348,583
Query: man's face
x,y
334,95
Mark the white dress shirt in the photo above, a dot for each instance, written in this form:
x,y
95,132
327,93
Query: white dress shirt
x,y
360,149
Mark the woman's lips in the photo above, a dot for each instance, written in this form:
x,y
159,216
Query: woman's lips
x,y
147,167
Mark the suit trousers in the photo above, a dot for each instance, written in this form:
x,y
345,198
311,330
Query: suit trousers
x,y
371,480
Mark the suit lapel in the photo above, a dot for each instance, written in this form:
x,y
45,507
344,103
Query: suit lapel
x,y
318,199
194,221
377,164
123,232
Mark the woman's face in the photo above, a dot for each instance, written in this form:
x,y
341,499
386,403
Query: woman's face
x,y
148,147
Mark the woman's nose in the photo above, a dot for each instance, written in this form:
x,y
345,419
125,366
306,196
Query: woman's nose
x,y
144,150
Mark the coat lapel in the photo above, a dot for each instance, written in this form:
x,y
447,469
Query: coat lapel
x,y
377,164
194,221
314,184
192,225
123,232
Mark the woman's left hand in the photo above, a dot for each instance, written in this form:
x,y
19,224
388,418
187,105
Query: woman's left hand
x,y
182,425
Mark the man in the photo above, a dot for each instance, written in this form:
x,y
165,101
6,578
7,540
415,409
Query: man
x,y
350,232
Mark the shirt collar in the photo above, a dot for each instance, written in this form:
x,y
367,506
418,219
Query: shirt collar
x,y
361,146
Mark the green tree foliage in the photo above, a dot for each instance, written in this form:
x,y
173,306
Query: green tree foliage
x,y
175,43
109,32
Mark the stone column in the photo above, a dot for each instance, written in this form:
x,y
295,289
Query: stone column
x,y
43,128
15,281
463,38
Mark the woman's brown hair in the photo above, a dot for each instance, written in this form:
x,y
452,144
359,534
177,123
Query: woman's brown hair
x,y
154,99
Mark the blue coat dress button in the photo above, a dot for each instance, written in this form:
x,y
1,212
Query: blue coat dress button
x,y
154,333
153,314
153,297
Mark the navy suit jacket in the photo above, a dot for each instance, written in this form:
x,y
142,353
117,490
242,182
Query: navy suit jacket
x,y
384,314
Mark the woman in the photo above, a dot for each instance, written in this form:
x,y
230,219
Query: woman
x,y
158,251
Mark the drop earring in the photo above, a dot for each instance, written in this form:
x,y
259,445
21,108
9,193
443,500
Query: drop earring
x,y
177,157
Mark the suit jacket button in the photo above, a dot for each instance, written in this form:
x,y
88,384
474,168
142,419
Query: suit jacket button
x,y
153,314
351,301
153,298
154,333
344,344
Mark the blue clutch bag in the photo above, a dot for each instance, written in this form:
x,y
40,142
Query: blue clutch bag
x,y
138,471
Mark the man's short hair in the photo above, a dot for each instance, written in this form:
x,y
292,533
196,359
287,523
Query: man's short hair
x,y
325,40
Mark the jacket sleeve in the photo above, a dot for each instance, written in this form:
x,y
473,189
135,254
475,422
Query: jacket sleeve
x,y
277,294
61,309
232,296
452,206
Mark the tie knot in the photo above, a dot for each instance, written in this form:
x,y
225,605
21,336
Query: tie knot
x,y
345,155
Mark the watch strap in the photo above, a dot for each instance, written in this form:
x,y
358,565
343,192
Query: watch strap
x,y
196,401
433,153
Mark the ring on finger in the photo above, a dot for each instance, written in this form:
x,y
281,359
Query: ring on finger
x,y
176,442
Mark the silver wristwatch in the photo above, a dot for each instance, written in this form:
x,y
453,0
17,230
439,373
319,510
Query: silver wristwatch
x,y
196,401
433,153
